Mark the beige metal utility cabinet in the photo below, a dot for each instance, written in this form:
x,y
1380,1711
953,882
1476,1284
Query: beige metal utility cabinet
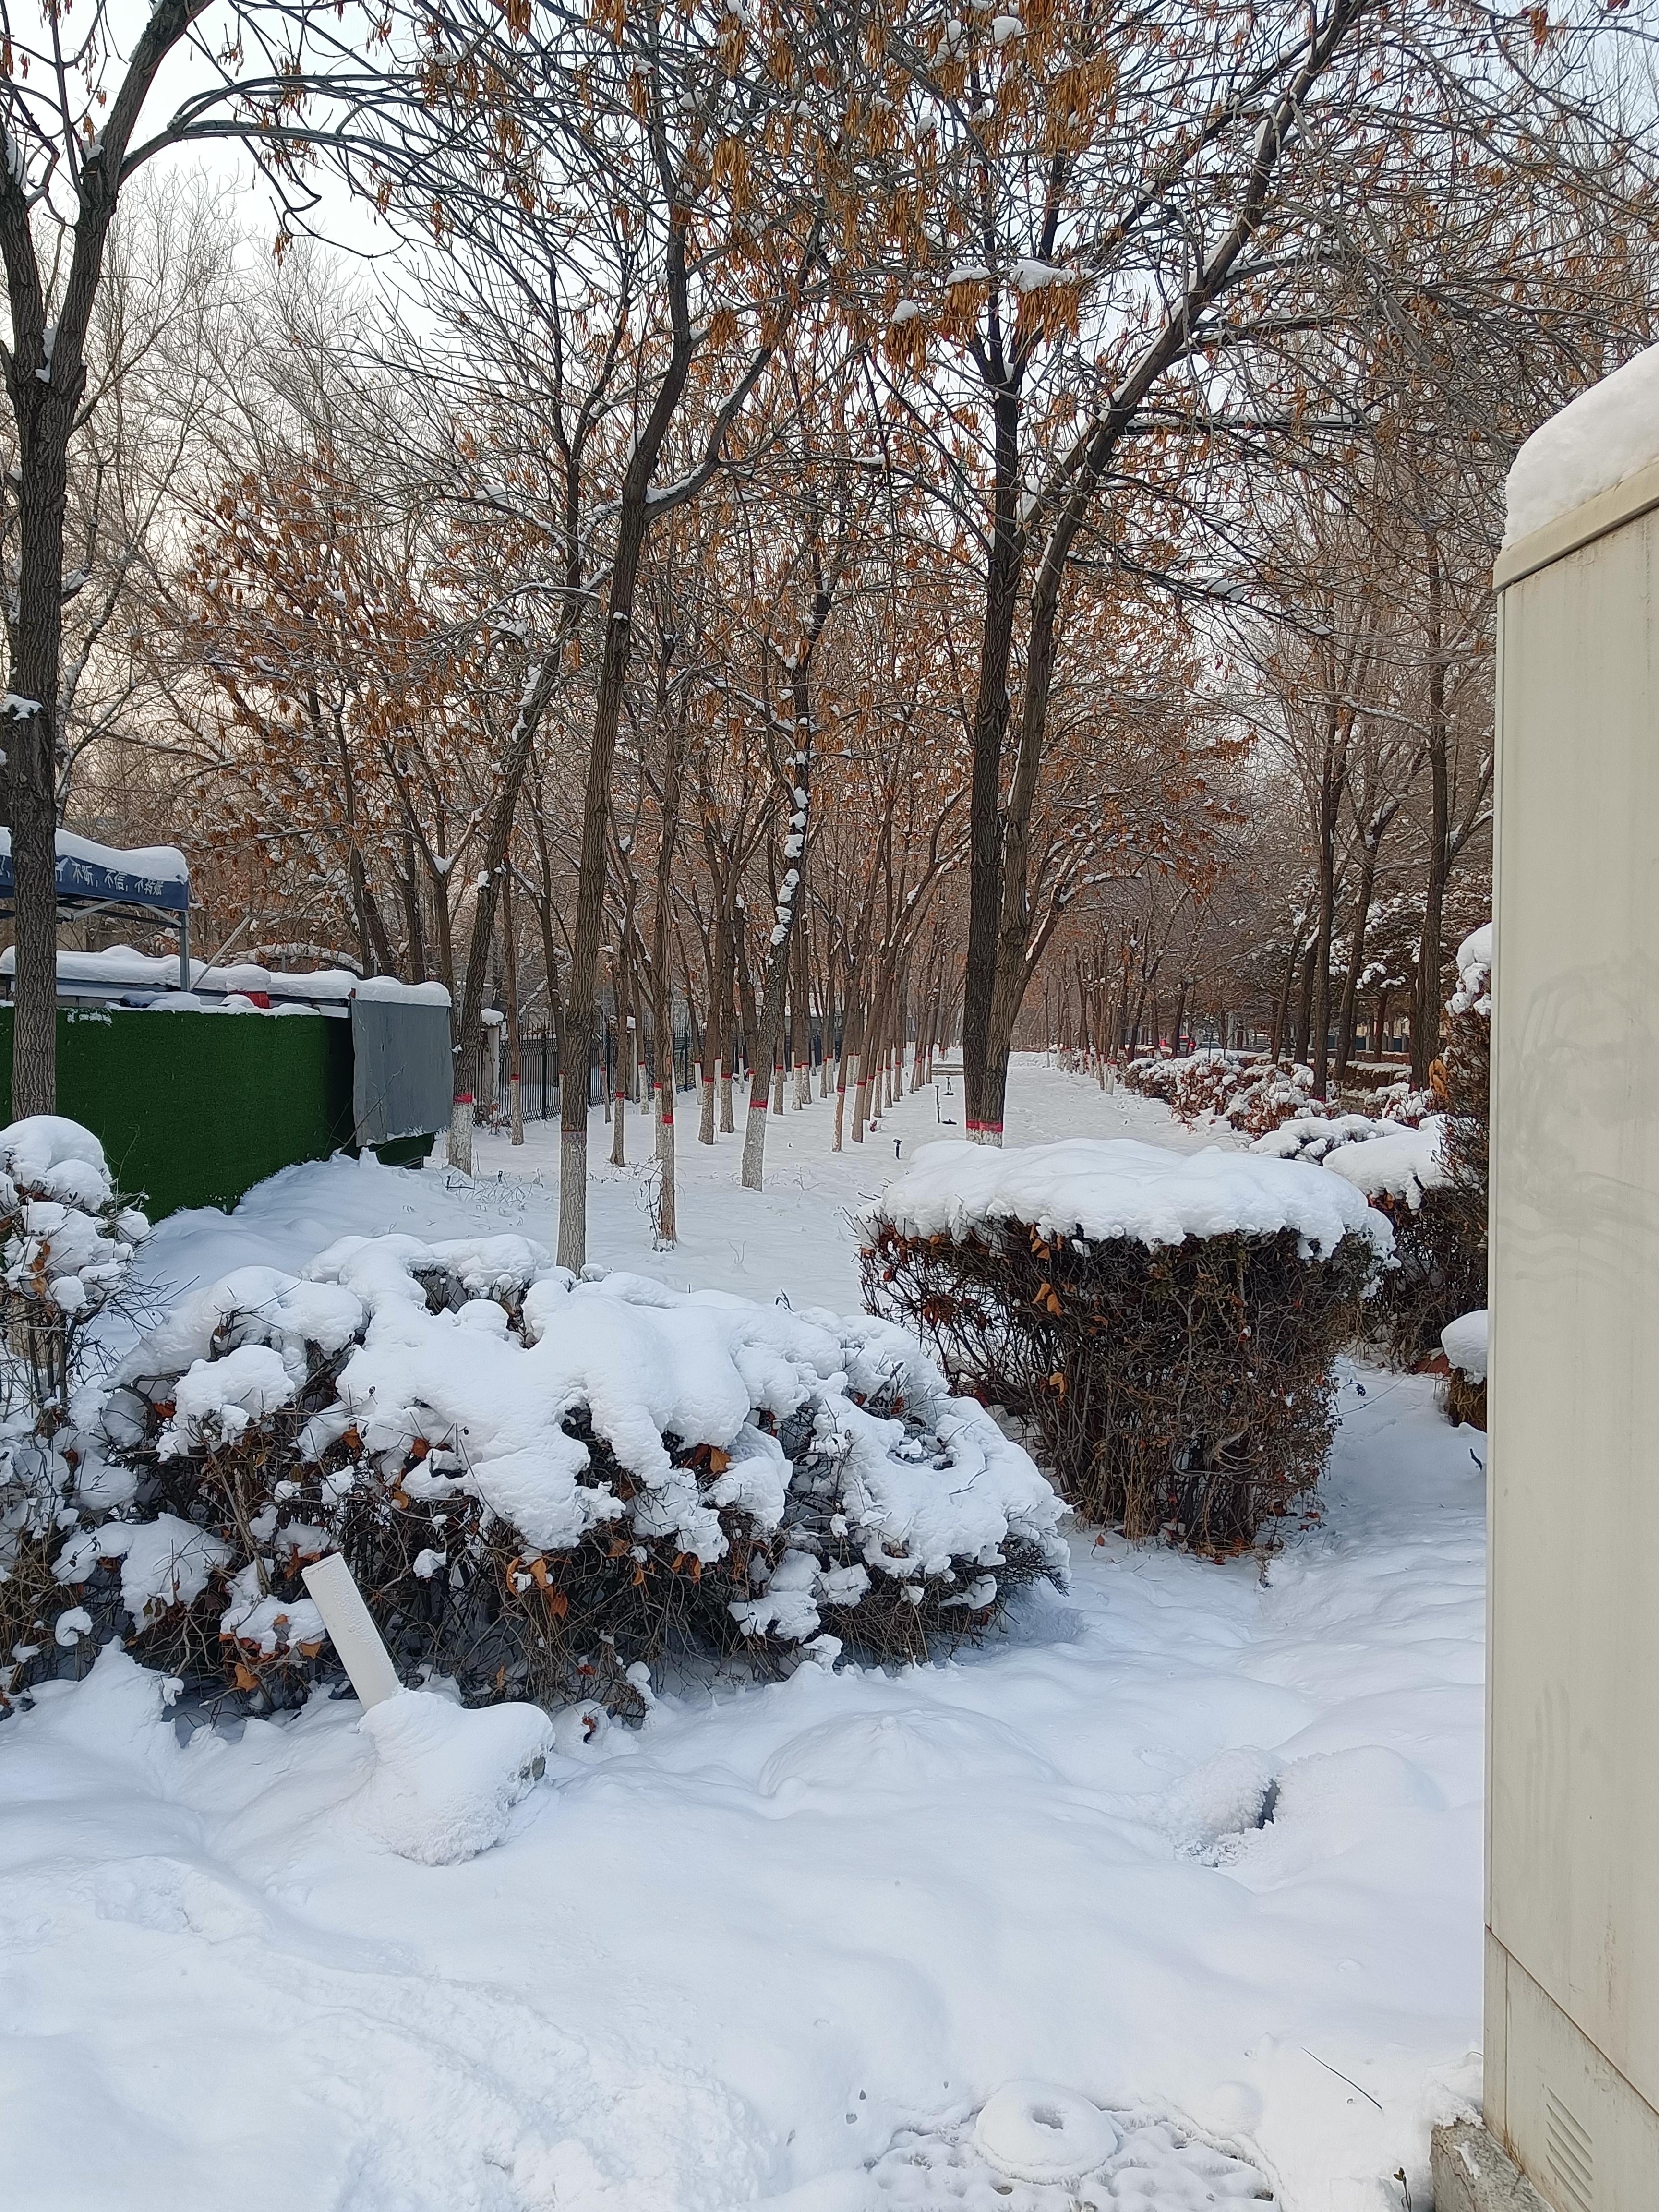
x,y
1572,1946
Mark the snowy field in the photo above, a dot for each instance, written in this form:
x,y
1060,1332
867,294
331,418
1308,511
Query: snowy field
x,y
1199,1844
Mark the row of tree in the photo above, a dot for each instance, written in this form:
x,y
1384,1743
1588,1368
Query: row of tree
x,y
827,514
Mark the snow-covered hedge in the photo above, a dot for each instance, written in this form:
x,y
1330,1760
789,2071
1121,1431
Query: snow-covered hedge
x,y
1464,1342
1424,1164
66,1247
1165,1322
1248,1094
541,1484
1316,1136
1383,1162
1259,1097
1405,1172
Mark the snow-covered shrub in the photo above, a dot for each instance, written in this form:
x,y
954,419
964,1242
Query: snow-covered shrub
x,y
66,1246
1398,1102
1268,1094
543,1485
1466,1068
1464,1394
1439,1271
1155,1076
1312,1136
1166,1322
1192,1085
1426,1170
1250,1095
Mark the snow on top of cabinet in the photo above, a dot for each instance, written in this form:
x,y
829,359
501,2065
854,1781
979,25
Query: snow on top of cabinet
x,y
1594,442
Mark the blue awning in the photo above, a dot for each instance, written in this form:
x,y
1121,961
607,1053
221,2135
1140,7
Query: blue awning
x,y
88,874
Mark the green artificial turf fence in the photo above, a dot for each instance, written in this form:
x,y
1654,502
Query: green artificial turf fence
x,y
193,1110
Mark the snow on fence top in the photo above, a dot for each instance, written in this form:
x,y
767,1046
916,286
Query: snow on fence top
x,y
1603,436
121,969
150,875
1102,1188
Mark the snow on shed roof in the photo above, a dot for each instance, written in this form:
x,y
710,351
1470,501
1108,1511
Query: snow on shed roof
x,y
147,875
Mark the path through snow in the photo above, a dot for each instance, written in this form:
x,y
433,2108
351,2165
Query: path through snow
x,y
782,1943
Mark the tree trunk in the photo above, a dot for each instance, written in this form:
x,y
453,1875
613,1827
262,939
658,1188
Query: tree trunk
x,y
800,1020
592,868
29,725
1332,776
1425,1006
982,1104
1282,1008
45,384
1305,1004
791,898
515,1063
622,994
1347,1021
533,705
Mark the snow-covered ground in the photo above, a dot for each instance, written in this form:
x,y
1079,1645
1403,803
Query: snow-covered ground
x,y
783,1943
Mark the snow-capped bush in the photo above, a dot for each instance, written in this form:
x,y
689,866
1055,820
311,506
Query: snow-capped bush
x,y
66,1241
66,1248
1197,1084
1392,1161
1463,1392
1474,958
1166,1322
1259,1097
1397,1102
541,1483
1425,1166
1313,1136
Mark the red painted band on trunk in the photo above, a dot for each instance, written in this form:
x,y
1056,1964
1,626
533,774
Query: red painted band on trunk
x,y
463,1098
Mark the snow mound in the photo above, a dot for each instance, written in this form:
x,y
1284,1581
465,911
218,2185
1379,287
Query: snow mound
x,y
1105,1187
1464,1343
1403,1166
1594,442
445,1779
1226,1796
918,1749
1334,1800
216,1399
1035,2131
249,1305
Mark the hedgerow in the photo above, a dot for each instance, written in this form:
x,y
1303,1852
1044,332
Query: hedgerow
x,y
1174,1383
542,1486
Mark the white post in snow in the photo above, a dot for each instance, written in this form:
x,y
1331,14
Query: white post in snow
x,y
351,1629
